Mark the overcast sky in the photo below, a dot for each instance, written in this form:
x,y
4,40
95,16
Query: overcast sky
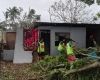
x,y
41,7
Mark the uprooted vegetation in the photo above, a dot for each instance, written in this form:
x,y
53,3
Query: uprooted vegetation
x,y
55,68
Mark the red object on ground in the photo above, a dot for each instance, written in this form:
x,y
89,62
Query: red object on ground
x,y
71,58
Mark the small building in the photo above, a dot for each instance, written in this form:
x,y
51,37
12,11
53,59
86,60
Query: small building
x,y
52,33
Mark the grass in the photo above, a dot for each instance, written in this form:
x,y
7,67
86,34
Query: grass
x,y
10,71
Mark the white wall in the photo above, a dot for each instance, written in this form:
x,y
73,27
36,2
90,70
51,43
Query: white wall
x,y
79,35
76,33
21,56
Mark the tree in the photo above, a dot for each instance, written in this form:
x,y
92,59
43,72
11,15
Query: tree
x,y
32,16
98,14
93,12
97,18
67,11
31,13
89,2
14,16
28,19
6,15
14,13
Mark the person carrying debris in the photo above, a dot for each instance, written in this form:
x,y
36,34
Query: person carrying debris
x,y
61,47
41,49
70,52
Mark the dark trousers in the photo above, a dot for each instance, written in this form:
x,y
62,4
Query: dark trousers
x,y
41,55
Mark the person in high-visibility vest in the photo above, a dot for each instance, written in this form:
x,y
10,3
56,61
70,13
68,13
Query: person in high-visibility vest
x,y
41,49
70,53
61,48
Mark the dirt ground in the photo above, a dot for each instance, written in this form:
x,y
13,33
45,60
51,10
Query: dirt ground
x,y
10,71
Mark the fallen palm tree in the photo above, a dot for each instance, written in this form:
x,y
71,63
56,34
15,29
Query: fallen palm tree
x,y
86,67
57,68
90,66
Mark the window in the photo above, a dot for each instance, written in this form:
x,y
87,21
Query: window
x,y
59,36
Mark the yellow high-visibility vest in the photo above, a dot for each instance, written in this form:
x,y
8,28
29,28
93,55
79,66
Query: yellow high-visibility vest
x,y
41,47
69,49
61,47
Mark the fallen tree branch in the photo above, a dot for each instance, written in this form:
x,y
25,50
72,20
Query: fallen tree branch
x,y
44,69
95,64
59,66
87,54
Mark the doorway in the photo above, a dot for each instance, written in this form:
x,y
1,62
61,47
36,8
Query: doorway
x,y
96,33
45,34
10,39
8,51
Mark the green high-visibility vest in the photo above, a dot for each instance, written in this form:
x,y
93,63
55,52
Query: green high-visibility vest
x,y
41,47
60,47
69,49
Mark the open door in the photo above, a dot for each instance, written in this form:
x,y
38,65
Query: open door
x,y
45,34
96,35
